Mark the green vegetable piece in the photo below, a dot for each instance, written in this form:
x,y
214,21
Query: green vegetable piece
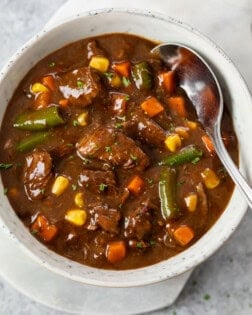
x,y
167,194
42,119
5,166
187,154
142,75
32,141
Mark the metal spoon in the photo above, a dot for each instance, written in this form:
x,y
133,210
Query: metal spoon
x,y
203,89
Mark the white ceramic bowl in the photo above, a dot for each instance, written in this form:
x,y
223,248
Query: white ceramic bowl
x,y
238,99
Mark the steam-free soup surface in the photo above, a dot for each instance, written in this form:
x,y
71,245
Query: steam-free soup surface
x,y
104,160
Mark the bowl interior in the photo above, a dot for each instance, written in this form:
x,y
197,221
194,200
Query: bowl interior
x,y
158,28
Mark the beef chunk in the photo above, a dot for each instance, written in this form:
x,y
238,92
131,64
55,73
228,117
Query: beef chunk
x,y
115,148
106,218
37,173
138,223
80,86
94,50
97,181
145,129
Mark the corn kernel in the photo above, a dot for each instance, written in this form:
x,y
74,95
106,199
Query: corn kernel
x,y
191,202
182,131
211,180
173,142
115,81
76,217
38,88
83,119
99,63
192,124
78,200
59,186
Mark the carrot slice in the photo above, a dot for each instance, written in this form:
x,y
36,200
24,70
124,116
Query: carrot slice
x,y
42,100
49,82
152,106
43,229
167,80
122,68
208,144
177,105
116,251
136,185
64,102
183,235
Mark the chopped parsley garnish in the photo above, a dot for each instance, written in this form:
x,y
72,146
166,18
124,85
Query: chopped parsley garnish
x,y
123,118
207,297
42,191
80,84
118,125
103,186
126,97
75,123
51,64
5,166
120,206
5,191
109,75
126,82
180,183
34,232
222,172
69,145
108,149
133,157
149,180
74,187
70,157
85,161
139,245
152,243
196,160
171,127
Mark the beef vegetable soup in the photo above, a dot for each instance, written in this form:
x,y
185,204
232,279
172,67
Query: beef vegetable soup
x,y
104,160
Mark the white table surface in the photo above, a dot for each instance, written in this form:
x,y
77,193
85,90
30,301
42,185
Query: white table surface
x,y
227,276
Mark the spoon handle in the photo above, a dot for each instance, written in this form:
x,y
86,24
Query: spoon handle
x,y
231,168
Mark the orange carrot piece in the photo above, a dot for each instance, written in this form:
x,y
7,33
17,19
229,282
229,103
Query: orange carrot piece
x,y
177,105
64,102
42,100
116,251
208,144
49,82
183,235
152,106
42,228
167,80
122,68
136,185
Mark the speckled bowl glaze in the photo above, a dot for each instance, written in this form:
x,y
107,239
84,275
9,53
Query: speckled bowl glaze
x,y
237,97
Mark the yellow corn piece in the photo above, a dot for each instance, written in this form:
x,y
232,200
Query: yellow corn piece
x,y
211,180
83,119
99,63
76,217
191,202
38,88
191,124
182,131
59,186
173,142
78,200
115,81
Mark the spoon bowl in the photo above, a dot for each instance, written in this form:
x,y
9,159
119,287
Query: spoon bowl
x,y
203,89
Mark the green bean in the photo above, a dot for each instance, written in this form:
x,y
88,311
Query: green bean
x,y
141,73
32,141
39,120
187,154
167,194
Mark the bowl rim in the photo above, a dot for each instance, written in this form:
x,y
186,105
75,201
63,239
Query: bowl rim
x,y
155,269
